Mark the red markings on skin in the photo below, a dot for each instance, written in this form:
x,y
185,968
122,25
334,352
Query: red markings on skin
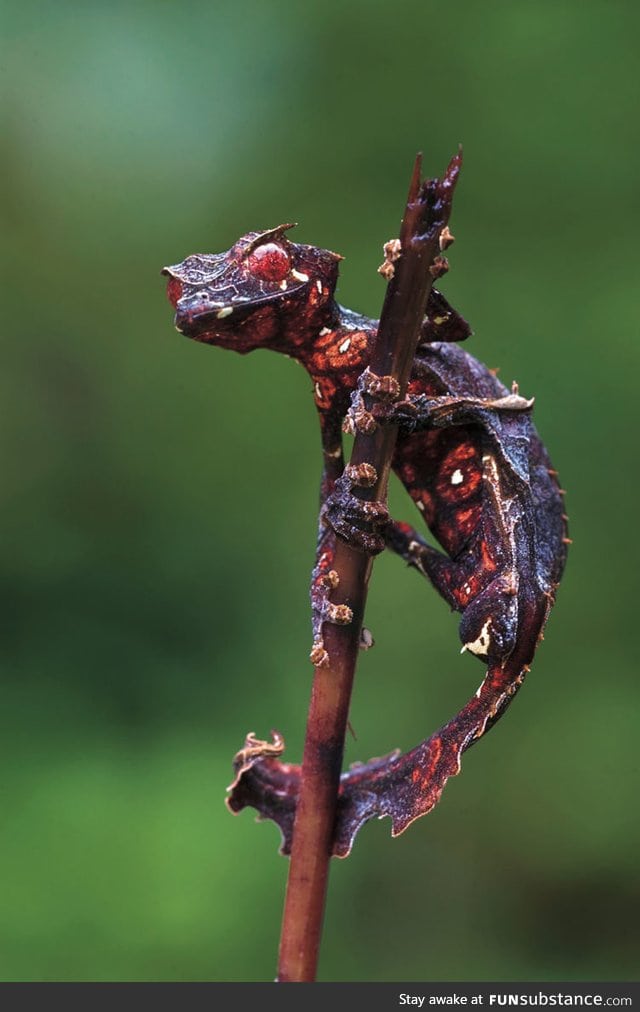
x,y
488,562
434,756
340,351
468,591
460,453
420,386
422,457
324,566
325,562
348,350
460,474
174,291
405,528
337,360
467,520
324,391
495,679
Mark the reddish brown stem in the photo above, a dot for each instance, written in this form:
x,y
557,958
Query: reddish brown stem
x,y
426,215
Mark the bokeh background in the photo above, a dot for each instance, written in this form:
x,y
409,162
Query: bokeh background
x,y
159,497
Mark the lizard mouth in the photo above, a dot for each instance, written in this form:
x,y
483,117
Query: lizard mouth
x,y
203,312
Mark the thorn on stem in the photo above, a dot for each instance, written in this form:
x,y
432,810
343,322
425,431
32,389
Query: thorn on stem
x,y
446,238
439,267
319,656
361,475
383,388
392,251
338,614
330,580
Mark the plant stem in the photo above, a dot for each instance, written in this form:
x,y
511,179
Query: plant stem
x,y
426,214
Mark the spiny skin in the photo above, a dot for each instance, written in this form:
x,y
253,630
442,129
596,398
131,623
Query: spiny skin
x,y
466,452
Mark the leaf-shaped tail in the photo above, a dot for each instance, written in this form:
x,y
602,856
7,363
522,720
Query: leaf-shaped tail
x,y
403,787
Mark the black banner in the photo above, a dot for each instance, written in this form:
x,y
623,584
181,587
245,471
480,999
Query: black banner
x,y
369,997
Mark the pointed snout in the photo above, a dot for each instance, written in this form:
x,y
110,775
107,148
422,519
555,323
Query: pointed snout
x,y
197,312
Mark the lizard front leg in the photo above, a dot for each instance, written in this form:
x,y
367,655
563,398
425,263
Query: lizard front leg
x,y
362,524
420,412
324,579
359,521
505,418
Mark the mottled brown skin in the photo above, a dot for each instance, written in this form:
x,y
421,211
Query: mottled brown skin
x,y
466,452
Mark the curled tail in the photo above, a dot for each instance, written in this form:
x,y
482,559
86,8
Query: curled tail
x,y
402,787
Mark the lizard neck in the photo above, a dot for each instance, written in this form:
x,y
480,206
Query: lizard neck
x,y
335,355
297,329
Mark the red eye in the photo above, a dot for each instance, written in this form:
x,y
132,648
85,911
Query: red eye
x,y
269,262
174,291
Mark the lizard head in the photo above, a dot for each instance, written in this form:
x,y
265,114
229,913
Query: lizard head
x,y
263,292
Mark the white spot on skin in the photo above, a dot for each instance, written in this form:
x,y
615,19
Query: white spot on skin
x,y
420,505
345,346
480,646
457,477
226,311
299,275
318,390
319,287
283,285
325,330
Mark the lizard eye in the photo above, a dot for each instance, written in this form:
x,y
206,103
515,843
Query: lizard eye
x,y
269,262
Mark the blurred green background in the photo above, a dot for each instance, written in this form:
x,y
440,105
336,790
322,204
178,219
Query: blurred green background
x,y
159,497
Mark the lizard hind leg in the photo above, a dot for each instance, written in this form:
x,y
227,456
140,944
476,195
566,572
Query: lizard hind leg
x,y
446,576
489,623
